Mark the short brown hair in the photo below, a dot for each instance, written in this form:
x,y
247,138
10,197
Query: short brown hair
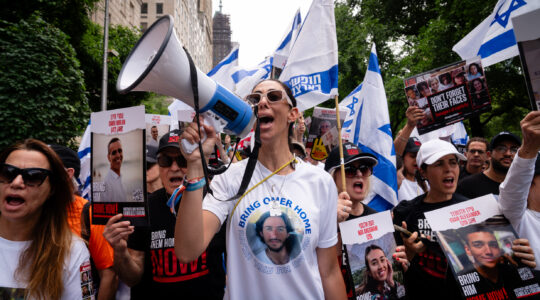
x,y
477,139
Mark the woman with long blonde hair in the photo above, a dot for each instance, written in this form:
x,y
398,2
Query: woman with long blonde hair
x,y
41,258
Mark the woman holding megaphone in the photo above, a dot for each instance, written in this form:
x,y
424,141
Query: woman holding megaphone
x,y
280,186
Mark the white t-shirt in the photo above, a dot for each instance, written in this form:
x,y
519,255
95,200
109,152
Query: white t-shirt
x,y
114,189
409,190
308,197
77,264
513,193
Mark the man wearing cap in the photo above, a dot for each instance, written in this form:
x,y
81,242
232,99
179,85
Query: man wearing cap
x,y
145,258
476,153
100,251
503,148
153,183
520,192
439,164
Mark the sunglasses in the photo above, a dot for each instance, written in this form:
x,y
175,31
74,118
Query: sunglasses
x,y
350,171
272,96
165,161
503,149
30,176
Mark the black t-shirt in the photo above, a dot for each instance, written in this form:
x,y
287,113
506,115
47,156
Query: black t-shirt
x,y
428,277
477,185
164,275
463,172
344,260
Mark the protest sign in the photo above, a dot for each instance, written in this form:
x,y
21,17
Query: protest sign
x,y
370,239
448,94
477,241
118,165
322,121
156,127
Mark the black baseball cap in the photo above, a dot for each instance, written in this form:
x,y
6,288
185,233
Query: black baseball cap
x,y
69,158
413,145
502,136
170,139
351,153
151,154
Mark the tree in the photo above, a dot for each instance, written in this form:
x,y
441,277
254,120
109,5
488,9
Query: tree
x,y
42,93
122,40
415,36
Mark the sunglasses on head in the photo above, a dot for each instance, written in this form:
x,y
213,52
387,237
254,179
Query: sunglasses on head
x,y
365,170
165,161
272,96
30,176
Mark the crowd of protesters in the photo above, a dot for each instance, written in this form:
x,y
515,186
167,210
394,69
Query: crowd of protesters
x,y
226,244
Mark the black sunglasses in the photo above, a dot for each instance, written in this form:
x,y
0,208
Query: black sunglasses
x,y
165,161
350,171
31,176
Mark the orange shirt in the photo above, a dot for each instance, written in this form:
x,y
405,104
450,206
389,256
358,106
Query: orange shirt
x,y
100,250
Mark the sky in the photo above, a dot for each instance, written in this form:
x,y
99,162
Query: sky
x,y
259,25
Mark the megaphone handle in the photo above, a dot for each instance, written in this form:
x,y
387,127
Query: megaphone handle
x,y
190,147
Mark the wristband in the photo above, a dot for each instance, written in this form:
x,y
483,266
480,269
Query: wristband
x,y
193,186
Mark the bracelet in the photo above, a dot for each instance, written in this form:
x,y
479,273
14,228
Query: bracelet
x,y
193,186
193,180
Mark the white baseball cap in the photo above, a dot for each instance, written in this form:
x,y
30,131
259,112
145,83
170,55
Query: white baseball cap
x,y
433,150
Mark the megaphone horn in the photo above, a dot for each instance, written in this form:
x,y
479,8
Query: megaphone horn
x,y
158,64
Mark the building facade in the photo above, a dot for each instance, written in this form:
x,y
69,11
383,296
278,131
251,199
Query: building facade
x,y
222,36
192,22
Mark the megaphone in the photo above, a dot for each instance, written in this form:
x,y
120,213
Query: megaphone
x,y
158,64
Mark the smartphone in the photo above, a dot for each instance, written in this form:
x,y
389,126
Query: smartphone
x,y
408,234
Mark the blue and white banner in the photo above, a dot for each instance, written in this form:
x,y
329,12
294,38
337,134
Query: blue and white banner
x,y
282,52
222,72
245,79
84,152
494,38
312,68
368,125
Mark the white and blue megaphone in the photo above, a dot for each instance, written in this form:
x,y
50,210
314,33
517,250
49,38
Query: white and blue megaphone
x,y
158,64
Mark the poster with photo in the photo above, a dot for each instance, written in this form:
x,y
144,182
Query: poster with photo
x,y
370,243
477,241
156,127
321,122
118,165
448,94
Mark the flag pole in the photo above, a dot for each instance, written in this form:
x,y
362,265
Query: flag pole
x,y
341,162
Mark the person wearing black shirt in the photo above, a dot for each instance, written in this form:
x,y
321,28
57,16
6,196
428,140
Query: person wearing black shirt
x,y
503,148
145,258
476,153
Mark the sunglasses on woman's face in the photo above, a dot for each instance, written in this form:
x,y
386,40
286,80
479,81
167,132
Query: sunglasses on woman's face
x,y
30,176
272,96
350,171
165,161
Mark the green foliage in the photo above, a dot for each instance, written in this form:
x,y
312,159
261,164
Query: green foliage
x,y
414,36
42,92
122,40
156,104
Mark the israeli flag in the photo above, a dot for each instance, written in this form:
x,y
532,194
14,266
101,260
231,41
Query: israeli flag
x,y
245,79
368,125
494,38
312,68
84,155
282,52
222,72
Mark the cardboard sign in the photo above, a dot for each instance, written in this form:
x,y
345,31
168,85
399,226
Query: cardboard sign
x,y
448,94
119,165
477,241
